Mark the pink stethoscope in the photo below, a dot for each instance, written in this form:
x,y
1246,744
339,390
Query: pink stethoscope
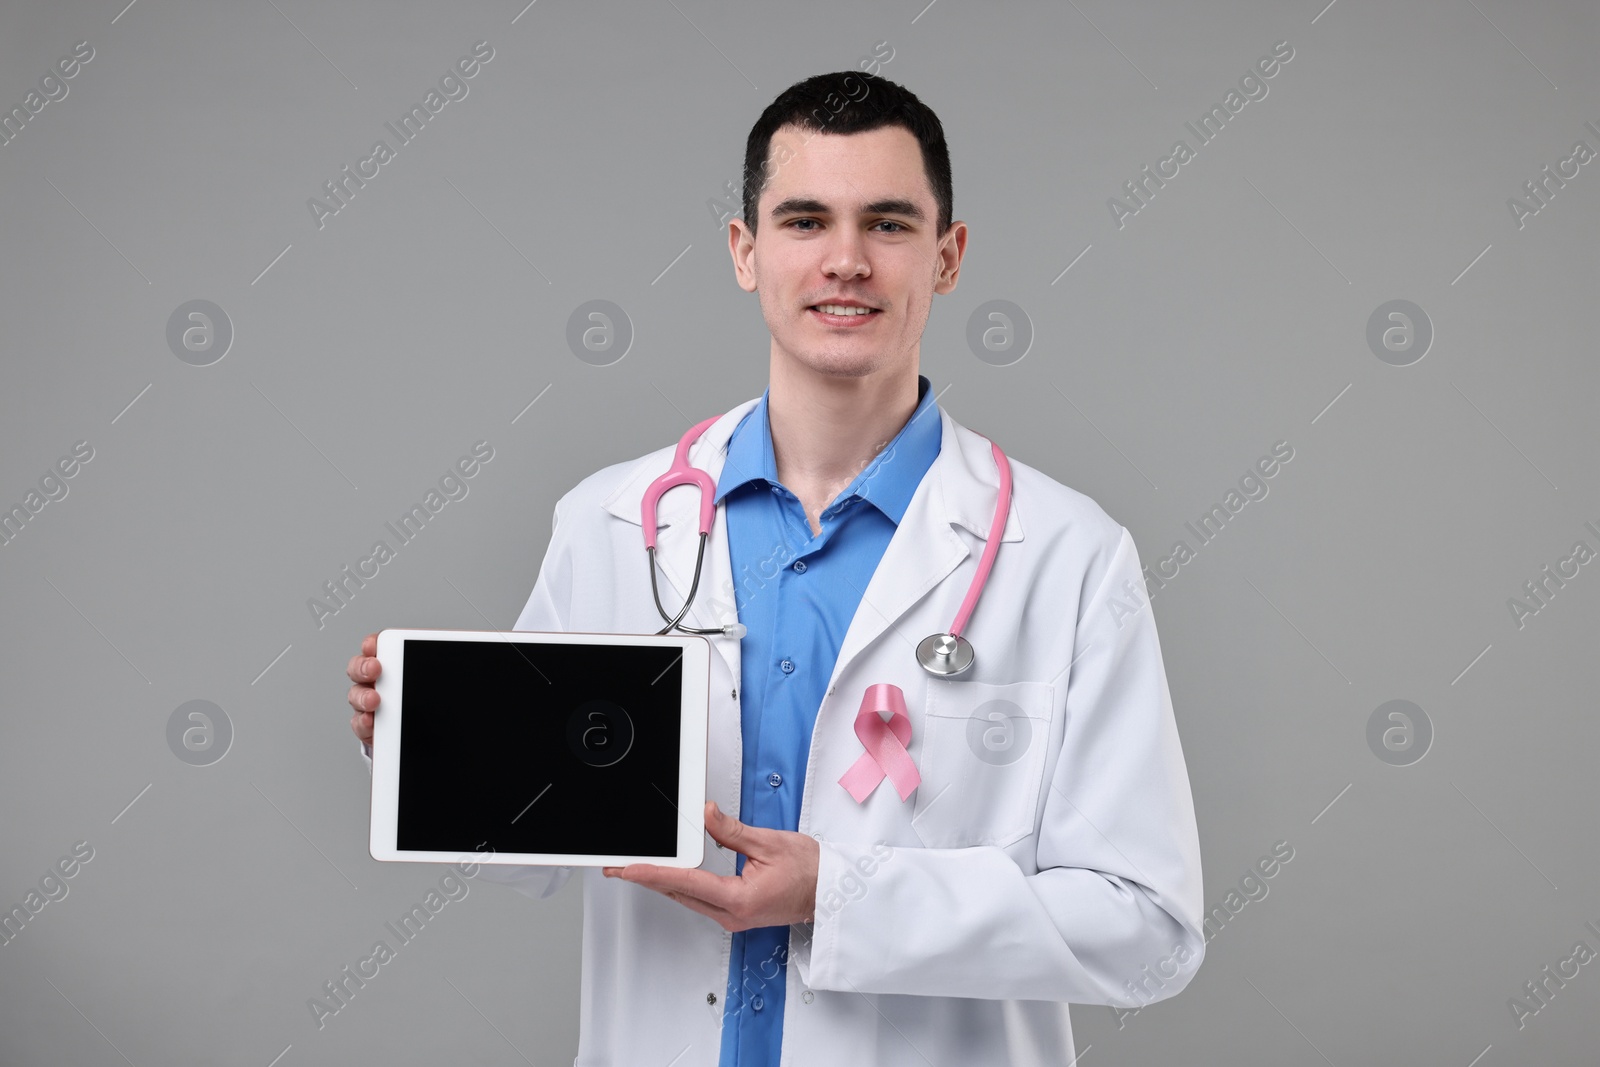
x,y
942,655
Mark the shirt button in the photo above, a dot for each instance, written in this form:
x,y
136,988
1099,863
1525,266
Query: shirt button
x,y
799,566
756,1003
774,779
787,666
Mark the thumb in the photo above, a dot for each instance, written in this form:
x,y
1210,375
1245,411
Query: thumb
x,y
724,829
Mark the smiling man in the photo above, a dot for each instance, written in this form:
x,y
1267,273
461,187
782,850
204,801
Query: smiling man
x,y
1021,836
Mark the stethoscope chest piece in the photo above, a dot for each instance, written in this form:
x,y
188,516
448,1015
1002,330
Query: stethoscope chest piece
x,y
945,654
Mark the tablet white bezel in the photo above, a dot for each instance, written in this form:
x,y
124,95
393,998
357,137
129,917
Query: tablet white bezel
x,y
387,732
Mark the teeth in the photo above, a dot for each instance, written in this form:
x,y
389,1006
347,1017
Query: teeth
x,y
841,309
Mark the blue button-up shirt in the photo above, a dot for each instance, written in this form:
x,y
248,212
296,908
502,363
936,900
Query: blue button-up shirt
x,y
796,594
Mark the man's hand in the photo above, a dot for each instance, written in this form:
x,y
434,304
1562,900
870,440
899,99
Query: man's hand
x,y
778,885
363,671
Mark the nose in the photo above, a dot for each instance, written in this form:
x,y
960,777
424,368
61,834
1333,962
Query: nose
x,y
846,255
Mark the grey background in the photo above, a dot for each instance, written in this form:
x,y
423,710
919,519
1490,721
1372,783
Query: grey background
x,y
1229,314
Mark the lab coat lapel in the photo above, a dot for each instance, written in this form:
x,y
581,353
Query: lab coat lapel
x,y
959,489
678,535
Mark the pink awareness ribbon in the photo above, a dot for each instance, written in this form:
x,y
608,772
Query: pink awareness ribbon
x,y
885,744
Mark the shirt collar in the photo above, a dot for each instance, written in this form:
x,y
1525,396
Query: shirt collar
x,y
888,482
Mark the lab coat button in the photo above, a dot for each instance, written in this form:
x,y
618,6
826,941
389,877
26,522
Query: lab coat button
x,y
817,834
807,996
711,998
774,779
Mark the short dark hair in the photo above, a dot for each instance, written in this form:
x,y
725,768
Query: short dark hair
x,y
848,101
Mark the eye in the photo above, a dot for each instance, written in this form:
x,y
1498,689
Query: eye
x,y
797,222
890,222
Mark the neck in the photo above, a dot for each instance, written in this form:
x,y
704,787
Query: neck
x,y
827,428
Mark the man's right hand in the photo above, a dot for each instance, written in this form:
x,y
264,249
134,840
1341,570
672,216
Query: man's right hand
x,y
363,671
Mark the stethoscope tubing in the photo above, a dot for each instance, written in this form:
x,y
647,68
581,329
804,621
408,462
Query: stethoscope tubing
x,y
683,473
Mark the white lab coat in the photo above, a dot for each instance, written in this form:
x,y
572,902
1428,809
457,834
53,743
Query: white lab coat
x,y
953,927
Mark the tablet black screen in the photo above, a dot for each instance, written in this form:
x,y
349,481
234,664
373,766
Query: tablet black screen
x,y
547,748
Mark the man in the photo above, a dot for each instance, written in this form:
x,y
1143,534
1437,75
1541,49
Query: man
x,y
1049,853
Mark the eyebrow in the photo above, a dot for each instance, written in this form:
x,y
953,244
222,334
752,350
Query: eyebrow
x,y
799,205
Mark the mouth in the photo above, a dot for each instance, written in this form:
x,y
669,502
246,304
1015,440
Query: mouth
x,y
846,315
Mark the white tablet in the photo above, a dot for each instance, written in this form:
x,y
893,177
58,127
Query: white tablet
x,y
568,749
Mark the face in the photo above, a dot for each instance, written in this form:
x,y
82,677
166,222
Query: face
x,y
846,219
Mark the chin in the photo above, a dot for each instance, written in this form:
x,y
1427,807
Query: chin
x,y
841,364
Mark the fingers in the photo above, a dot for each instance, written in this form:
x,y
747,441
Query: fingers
x,y
675,886
718,892
363,669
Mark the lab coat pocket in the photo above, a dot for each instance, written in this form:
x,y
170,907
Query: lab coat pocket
x,y
982,761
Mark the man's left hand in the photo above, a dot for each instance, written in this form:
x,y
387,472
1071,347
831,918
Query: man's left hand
x,y
777,887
